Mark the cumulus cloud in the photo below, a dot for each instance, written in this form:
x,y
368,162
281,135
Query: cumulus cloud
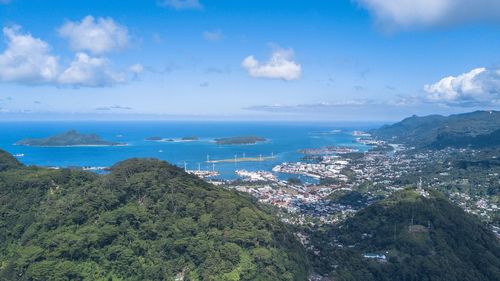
x,y
480,86
182,4
26,59
96,36
87,71
214,36
405,14
281,65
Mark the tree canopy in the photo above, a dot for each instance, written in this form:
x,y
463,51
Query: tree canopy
x,y
146,220
422,238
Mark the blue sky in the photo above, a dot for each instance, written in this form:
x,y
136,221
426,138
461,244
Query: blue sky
x,y
369,60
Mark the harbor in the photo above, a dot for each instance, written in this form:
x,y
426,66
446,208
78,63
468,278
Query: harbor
x,y
244,158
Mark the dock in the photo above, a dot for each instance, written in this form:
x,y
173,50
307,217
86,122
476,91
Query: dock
x,y
242,159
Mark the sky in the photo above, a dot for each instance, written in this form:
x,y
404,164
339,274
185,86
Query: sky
x,y
331,60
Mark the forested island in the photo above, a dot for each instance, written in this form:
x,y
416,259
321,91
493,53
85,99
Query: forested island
x,y
69,138
239,140
154,138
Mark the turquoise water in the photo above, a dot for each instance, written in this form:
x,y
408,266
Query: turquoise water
x,y
284,139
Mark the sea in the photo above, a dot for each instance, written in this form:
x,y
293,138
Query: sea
x,y
284,139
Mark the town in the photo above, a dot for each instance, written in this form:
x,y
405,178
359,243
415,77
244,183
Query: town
x,y
351,180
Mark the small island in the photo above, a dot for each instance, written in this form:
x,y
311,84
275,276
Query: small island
x,y
190,138
239,140
154,138
69,138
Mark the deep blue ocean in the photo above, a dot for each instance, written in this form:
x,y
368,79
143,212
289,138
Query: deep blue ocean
x,y
284,139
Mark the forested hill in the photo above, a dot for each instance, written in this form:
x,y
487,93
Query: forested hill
x,y
475,129
146,220
8,161
422,238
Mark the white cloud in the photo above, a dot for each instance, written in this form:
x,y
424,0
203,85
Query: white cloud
x,y
215,35
182,4
26,59
97,36
87,71
136,68
280,66
405,14
480,86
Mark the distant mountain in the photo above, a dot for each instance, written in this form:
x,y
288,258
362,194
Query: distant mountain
x,y
475,129
409,237
146,220
69,138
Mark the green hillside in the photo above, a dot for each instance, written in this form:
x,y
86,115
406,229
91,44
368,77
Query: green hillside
x,y
8,161
69,138
147,220
421,238
474,129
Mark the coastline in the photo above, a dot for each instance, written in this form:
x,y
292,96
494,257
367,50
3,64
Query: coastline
x,y
76,145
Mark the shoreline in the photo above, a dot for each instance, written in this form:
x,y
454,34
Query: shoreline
x,y
77,145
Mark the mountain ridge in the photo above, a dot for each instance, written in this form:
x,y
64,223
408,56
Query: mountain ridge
x,y
146,220
474,129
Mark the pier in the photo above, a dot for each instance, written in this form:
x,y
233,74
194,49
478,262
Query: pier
x,y
236,159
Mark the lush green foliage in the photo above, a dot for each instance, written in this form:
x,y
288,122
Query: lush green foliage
x,y
68,138
7,161
349,198
423,239
475,129
452,139
147,220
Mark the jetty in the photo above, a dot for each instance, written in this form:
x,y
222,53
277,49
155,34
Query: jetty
x,y
237,159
